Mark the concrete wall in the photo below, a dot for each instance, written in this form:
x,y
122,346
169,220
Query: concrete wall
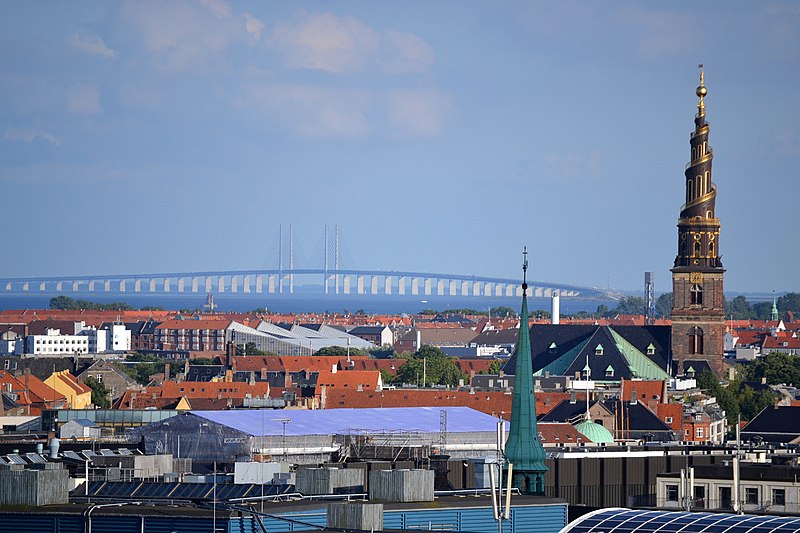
x,y
46,484
356,515
329,481
401,485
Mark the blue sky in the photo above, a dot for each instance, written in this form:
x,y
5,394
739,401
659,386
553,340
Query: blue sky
x,y
442,136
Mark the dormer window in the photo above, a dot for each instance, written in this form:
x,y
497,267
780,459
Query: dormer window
x,y
690,371
651,350
610,371
598,349
552,347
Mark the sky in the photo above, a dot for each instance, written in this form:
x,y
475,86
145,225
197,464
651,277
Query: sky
x,y
163,136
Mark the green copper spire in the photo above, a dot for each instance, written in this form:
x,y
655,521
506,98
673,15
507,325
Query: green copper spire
x,y
775,317
523,448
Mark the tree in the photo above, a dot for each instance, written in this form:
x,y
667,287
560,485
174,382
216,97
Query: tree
x,y
776,367
503,311
99,393
203,361
340,351
141,366
432,365
664,305
738,308
630,305
494,368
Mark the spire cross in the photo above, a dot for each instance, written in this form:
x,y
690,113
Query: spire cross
x,y
524,268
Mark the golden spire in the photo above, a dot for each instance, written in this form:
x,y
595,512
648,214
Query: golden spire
x,y
701,92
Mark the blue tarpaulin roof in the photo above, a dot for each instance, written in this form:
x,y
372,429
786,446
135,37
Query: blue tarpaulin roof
x,y
332,421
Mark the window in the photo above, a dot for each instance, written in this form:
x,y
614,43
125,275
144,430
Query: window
x,y
610,372
751,495
668,420
598,349
553,347
698,433
696,292
672,493
99,378
696,341
778,496
7,364
651,350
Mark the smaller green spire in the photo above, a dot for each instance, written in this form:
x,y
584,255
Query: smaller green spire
x,y
775,317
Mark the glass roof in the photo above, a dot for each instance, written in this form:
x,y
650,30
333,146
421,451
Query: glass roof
x,y
625,520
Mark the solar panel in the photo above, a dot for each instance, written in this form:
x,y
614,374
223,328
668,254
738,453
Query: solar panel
x,y
35,458
229,491
95,486
156,490
88,453
15,459
3,461
72,455
124,451
119,489
191,491
107,453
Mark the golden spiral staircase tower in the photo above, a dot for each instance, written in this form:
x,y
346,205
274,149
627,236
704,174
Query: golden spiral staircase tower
x,y
698,313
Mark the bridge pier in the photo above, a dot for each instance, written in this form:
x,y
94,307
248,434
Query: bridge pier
x,y
360,284
387,284
428,284
234,284
122,285
25,287
415,286
246,284
60,286
42,286
207,285
401,285
346,284
374,285
220,283
440,287
271,283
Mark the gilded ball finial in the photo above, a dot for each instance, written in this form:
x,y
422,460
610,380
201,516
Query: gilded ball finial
x,y
701,89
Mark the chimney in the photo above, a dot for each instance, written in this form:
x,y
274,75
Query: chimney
x,y
252,380
555,308
764,380
418,343
186,368
167,368
333,369
230,354
263,373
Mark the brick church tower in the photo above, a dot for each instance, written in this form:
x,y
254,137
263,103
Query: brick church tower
x,y
698,314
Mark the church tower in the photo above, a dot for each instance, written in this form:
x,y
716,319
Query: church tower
x,y
523,448
698,314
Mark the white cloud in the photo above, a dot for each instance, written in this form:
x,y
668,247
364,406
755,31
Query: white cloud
x,y
573,165
184,35
84,99
253,26
92,46
311,111
220,8
418,112
323,41
405,52
29,135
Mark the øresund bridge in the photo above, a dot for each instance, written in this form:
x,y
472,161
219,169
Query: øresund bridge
x,y
281,280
